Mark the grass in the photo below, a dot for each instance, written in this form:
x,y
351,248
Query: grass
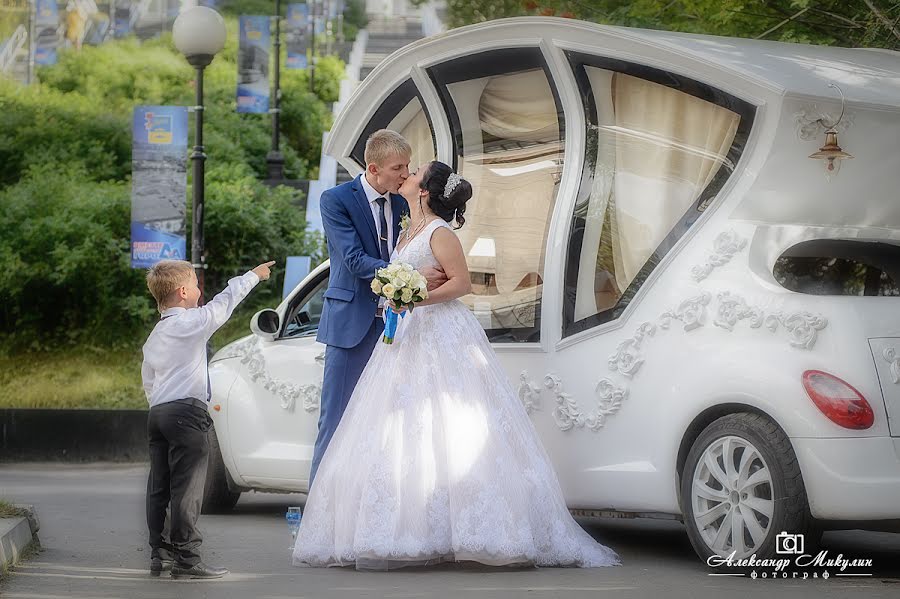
x,y
89,377
8,510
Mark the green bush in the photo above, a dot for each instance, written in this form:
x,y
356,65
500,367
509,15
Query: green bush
x,y
65,274
65,195
39,125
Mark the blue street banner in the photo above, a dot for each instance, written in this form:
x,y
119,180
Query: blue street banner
x,y
122,18
253,65
296,34
318,17
46,38
158,184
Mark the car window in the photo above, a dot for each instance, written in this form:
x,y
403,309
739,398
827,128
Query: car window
x,y
658,148
508,132
402,112
303,315
840,267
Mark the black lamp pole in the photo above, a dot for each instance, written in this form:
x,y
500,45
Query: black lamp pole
x,y
275,159
198,157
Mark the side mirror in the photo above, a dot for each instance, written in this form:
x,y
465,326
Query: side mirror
x,y
265,323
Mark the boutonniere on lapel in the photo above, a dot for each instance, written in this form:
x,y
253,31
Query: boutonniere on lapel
x,y
404,222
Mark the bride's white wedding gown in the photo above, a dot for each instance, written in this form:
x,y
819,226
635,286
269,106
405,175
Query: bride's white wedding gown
x,y
435,459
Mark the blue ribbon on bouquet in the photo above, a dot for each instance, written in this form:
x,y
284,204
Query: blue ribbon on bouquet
x,y
391,321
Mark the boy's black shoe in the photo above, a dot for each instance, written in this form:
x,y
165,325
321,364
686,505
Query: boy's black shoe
x,y
198,570
158,566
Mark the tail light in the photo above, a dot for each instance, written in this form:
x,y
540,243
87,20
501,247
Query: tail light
x,y
838,400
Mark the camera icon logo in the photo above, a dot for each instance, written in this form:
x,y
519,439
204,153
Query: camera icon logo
x,y
789,544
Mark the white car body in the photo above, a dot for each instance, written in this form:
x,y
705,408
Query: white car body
x,y
709,332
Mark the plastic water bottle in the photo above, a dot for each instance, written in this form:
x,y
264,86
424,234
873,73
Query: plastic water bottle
x,y
293,520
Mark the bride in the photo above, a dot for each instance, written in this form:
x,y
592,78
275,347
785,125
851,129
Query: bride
x,y
435,458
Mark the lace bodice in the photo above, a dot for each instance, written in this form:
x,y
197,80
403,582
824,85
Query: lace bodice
x,y
418,252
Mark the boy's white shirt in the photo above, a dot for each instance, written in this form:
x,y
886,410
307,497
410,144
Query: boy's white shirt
x,y
175,364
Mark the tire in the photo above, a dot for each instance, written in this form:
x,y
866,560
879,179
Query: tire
x,y
217,496
765,497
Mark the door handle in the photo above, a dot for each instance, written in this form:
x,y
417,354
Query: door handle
x,y
320,359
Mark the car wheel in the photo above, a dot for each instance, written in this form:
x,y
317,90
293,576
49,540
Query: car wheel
x,y
217,496
741,486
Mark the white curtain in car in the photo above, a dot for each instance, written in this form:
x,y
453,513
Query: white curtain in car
x,y
657,149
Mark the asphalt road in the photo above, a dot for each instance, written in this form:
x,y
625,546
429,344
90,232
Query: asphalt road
x,y
94,538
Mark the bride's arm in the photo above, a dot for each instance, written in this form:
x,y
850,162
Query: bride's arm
x,y
446,248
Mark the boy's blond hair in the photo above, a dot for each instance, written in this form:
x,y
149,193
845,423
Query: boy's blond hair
x,y
385,144
164,277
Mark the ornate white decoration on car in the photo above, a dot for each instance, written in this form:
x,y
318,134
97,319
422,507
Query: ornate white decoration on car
x,y
529,393
890,354
568,414
628,358
803,327
288,393
725,246
691,312
733,308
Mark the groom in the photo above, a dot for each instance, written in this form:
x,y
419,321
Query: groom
x,y
362,223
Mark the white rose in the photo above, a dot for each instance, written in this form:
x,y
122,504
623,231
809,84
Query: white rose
x,y
404,276
398,283
388,291
407,267
420,282
406,295
376,286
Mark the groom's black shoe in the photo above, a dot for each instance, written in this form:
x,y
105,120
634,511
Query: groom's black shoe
x,y
198,570
158,566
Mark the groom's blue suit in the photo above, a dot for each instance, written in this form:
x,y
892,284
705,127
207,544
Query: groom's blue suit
x,y
349,326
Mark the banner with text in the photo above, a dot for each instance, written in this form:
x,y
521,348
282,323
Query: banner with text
x,y
46,38
158,184
297,34
253,65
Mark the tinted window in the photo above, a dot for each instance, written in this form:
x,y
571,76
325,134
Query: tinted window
x,y
305,310
840,268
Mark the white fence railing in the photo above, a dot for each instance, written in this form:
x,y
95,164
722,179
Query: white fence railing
x,y
11,49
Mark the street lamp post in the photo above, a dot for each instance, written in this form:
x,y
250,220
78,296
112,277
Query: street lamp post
x,y
199,34
275,159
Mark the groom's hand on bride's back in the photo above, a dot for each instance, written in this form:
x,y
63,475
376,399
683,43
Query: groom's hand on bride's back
x,y
435,277
262,271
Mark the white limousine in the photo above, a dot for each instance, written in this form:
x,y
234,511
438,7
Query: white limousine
x,y
697,304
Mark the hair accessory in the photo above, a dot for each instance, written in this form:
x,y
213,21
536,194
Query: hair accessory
x,y
452,181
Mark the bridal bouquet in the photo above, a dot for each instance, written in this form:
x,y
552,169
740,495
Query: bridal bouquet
x,y
403,285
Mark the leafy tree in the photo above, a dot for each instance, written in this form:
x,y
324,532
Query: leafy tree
x,y
857,23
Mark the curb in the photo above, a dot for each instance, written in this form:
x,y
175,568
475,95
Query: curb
x,y
17,536
67,435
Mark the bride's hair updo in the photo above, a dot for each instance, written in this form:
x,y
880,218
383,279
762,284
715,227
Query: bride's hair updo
x,y
453,205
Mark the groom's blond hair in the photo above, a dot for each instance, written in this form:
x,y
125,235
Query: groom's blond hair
x,y
383,145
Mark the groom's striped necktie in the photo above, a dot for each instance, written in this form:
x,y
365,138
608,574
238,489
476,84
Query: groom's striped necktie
x,y
383,237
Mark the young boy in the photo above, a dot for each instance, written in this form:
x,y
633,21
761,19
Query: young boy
x,y
176,381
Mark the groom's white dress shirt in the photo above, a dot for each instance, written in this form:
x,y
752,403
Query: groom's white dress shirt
x,y
175,352
372,195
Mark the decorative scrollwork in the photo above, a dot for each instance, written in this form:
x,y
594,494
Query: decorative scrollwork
x,y
725,246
